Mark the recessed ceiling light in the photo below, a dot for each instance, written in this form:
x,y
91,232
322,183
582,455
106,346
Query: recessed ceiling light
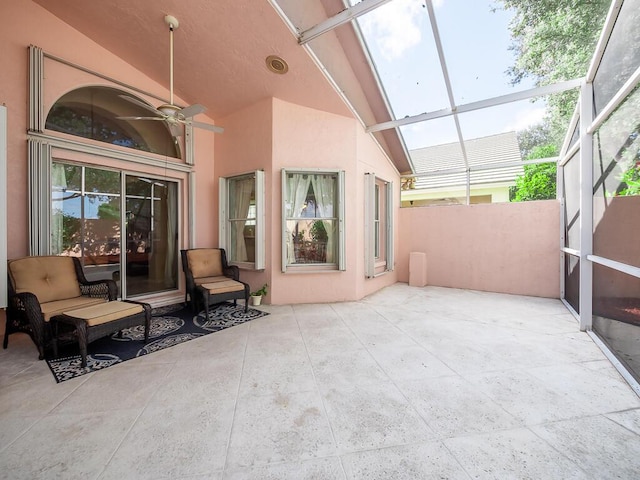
x,y
277,64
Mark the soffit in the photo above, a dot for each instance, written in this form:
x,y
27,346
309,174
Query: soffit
x,y
220,49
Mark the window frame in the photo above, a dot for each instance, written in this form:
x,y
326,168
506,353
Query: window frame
x,y
378,226
224,231
340,263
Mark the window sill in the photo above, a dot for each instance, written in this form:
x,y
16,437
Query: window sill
x,y
312,268
250,266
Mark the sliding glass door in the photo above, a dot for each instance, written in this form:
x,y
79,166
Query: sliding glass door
x,y
151,234
89,214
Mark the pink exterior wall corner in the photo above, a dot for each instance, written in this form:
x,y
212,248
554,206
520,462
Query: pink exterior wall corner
x,y
307,138
246,146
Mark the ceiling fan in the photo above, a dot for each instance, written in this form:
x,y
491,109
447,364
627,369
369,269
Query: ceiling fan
x,y
170,113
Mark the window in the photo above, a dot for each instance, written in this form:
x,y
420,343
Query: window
x,y
98,113
313,212
378,226
242,219
87,220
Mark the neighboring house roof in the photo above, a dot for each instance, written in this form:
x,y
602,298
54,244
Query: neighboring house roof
x,y
498,148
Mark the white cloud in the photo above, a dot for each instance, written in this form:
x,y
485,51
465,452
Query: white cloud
x,y
526,118
395,26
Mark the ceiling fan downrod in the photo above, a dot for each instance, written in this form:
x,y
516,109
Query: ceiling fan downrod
x,y
173,24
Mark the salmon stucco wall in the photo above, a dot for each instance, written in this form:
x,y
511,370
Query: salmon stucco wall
x,y
245,146
506,247
32,25
307,138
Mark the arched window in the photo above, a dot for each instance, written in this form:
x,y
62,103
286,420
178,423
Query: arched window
x,y
92,112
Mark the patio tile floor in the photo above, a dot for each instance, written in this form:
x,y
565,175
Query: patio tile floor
x,y
409,383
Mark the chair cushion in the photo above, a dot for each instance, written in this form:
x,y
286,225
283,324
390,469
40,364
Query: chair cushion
x,y
225,286
58,307
205,262
49,278
105,312
203,280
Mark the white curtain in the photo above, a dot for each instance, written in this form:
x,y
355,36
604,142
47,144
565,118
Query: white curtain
x,y
58,186
242,200
324,189
172,225
297,189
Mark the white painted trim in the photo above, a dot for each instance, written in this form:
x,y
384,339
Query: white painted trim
x,y
342,257
389,210
39,173
3,207
223,213
36,86
369,230
135,156
283,233
261,221
571,251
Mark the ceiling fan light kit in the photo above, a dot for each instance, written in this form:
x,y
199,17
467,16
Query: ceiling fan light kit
x,y
170,113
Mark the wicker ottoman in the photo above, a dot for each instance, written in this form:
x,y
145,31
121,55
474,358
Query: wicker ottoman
x,y
221,291
100,320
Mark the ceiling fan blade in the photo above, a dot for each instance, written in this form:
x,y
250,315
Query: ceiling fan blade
x,y
141,118
176,130
192,110
140,103
206,126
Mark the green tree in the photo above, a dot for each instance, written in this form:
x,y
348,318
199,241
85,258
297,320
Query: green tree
x,y
538,181
554,40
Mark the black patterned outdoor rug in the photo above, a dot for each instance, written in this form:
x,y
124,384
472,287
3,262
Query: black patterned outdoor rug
x,y
170,326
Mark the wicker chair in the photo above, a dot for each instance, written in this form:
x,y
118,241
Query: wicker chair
x,y
210,279
43,287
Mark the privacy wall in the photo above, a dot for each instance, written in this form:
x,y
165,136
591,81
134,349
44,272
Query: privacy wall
x,y
506,248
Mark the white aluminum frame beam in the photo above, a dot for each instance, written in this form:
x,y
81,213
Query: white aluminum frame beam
x,y
619,266
477,168
345,16
586,207
601,46
620,96
489,102
447,81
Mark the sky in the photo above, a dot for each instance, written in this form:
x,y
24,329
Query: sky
x,y
475,40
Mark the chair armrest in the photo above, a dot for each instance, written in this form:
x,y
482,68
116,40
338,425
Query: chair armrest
x,y
107,289
25,304
25,314
232,271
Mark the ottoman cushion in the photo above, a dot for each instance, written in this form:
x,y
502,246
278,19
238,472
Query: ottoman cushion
x,y
105,312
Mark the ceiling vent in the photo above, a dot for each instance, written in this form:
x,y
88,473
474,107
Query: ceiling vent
x,y
277,65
